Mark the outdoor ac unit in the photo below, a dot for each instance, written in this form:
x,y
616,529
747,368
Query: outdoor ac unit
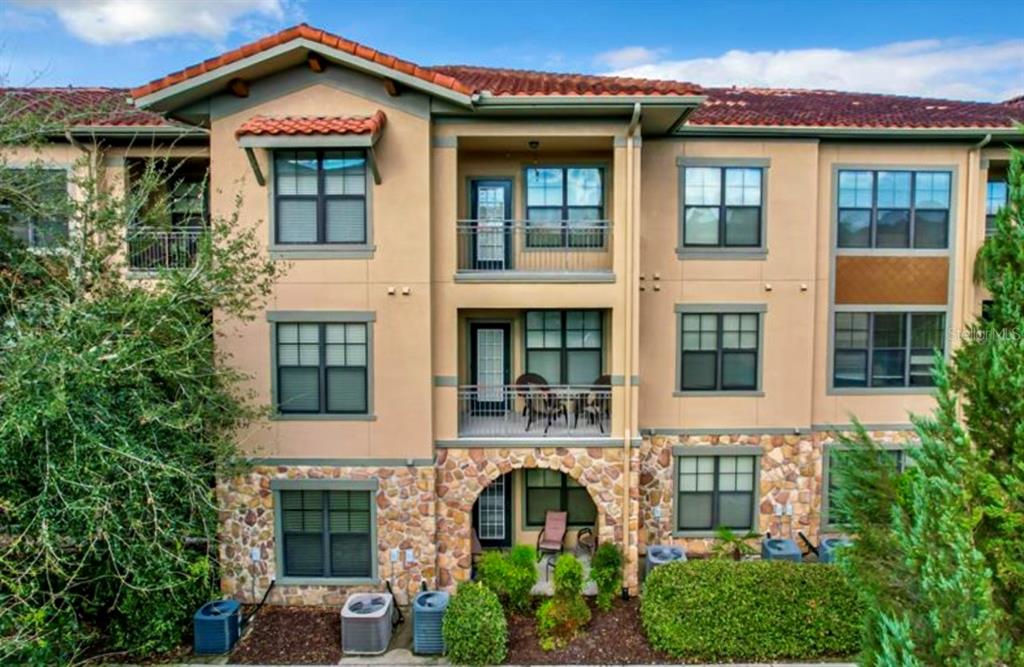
x,y
366,623
777,548
659,554
216,627
829,546
427,614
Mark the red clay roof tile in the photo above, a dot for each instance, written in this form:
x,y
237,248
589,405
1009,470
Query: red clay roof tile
x,y
780,107
312,34
312,125
83,107
500,82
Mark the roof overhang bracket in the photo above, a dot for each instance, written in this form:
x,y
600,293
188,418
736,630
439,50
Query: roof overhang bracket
x,y
371,160
391,87
254,163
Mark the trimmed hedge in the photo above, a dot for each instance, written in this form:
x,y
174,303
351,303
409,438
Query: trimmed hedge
x,y
714,610
474,627
511,576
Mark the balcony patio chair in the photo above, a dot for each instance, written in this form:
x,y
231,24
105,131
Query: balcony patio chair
x,y
524,385
586,542
551,539
595,405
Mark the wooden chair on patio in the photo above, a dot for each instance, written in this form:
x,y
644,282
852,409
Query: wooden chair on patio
x,y
551,539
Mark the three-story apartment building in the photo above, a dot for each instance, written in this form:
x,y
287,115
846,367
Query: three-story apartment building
x,y
648,304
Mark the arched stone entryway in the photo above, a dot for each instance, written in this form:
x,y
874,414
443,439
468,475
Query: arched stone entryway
x,y
463,473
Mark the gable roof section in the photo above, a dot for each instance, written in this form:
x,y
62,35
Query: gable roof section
x,y
780,107
355,52
312,126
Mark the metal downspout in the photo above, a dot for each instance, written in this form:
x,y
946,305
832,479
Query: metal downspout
x,y
629,284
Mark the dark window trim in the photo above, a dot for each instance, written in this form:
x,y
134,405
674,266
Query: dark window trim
x,y
278,487
322,369
597,242
723,209
563,348
874,210
907,348
990,218
720,351
827,525
563,499
31,224
321,198
715,492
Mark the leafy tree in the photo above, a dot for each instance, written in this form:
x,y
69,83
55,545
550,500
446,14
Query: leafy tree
x,y
117,413
939,554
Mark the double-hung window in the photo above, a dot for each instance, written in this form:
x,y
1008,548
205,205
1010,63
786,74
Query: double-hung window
x,y
719,351
39,216
886,349
320,197
715,491
565,207
722,207
832,517
997,195
326,533
893,209
553,491
322,368
564,347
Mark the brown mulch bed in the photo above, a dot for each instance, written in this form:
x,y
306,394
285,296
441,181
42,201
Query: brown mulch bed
x,y
613,637
291,636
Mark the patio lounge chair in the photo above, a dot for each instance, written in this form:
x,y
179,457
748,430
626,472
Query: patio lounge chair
x,y
552,538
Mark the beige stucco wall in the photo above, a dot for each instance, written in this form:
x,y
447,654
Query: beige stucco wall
x,y
401,222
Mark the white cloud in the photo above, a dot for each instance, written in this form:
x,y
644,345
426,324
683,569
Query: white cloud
x,y
125,21
932,68
629,56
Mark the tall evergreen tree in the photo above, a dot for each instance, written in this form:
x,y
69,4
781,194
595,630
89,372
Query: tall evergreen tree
x,y
939,554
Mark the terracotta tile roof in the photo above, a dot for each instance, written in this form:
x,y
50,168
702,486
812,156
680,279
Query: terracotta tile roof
x,y
108,107
1015,101
312,125
502,82
313,34
827,108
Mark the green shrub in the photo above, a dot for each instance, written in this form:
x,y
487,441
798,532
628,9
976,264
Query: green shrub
x,y
474,628
568,576
712,610
559,619
606,573
511,576
562,617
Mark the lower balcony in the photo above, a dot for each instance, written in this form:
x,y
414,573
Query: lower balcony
x,y
156,249
530,408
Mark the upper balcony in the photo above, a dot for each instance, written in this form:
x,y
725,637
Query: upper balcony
x,y
171,222
499,249
536,210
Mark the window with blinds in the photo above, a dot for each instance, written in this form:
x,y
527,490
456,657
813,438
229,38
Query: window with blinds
x,y
323,368
327,533
320,197
715,491
553,491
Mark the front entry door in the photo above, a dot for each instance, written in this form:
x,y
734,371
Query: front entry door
x,y
492,233
492,513
490,367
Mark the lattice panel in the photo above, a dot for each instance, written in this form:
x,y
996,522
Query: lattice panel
x,y
892,280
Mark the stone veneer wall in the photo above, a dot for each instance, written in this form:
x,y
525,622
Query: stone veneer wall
x,y
405,520
791,472
463,473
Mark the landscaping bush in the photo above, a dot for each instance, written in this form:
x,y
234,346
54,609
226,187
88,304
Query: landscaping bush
x,y
511,576
563,616
606,573
713,610
474,628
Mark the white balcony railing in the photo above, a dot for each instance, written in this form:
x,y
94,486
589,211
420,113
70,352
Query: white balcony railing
x,y
533,246
534,410
152,249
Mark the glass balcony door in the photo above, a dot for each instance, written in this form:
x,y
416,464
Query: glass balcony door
x,y
492,215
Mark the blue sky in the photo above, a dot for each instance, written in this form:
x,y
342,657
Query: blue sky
x,y
942,48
